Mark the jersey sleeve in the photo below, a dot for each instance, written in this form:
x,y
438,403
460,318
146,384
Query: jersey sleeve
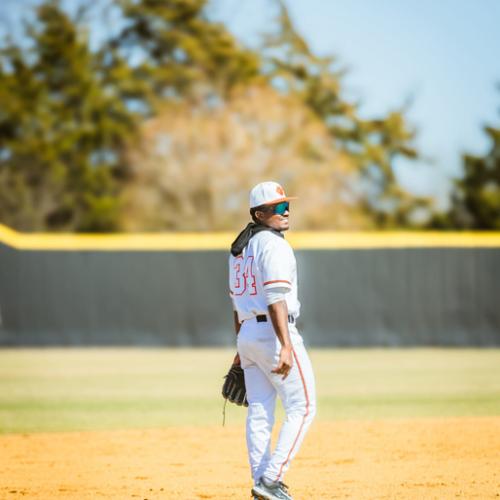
x,y
277,263
275,294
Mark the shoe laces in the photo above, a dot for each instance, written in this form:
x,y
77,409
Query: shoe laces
x,y
283,485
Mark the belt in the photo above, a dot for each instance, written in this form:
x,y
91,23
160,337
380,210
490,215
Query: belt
x,y
262,318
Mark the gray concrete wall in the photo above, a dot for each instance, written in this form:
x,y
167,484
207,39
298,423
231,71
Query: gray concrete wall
x,y
375,297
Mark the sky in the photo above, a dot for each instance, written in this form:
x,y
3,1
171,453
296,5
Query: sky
x,y
444,54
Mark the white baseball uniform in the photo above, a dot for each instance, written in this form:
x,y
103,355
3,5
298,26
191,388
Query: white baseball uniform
x,y
266,264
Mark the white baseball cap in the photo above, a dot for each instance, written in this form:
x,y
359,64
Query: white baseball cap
x,y
268,193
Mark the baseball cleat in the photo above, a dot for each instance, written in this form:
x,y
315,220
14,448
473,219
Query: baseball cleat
x,y
265,489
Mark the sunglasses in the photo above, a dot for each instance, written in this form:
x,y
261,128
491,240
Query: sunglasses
x,y
280,208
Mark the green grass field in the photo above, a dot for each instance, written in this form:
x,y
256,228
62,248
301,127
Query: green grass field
x,y
79,389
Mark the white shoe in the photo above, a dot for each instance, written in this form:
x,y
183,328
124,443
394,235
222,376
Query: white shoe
x,y
265,489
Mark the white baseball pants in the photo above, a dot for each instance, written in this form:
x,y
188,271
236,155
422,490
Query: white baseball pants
x,y
259,350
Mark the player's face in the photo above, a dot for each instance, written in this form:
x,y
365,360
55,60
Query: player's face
x,y
276,216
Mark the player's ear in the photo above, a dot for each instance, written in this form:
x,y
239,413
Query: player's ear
x,y
253,213
260,215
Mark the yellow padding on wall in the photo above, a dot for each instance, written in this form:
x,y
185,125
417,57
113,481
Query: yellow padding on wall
x,y
300,240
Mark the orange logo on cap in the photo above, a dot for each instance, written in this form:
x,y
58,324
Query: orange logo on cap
x,y
280,191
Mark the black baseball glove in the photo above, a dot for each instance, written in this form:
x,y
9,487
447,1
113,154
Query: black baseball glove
x,y
234,389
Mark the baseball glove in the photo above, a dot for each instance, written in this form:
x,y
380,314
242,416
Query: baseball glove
x,y
234,389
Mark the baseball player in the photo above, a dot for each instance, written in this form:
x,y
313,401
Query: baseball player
x,y
263,288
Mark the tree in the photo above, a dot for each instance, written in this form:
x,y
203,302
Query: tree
x,y
177,50
62,130
78,126
374,145
475,197
194,166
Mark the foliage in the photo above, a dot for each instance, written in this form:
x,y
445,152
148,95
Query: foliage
x,y
62,127
78,126
475,198
374,145
179,51
193,165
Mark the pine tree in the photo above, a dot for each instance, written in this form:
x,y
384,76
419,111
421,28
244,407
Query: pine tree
x,y
178,51
375,145
62,128
475,197
293,68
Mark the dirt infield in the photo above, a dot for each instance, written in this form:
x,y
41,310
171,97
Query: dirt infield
x,y
396,459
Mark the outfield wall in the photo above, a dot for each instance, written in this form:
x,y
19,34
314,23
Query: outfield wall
x,y
368,295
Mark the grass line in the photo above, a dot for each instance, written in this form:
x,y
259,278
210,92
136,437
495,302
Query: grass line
x,y
82,389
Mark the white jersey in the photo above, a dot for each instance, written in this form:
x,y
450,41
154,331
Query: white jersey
x,y
266,262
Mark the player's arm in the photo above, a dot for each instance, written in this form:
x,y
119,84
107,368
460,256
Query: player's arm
x,y
278,312
276,262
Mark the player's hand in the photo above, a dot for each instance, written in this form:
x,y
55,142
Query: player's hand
x,y
285,362
237,360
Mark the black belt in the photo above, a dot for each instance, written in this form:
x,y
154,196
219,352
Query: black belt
x,y
262,318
